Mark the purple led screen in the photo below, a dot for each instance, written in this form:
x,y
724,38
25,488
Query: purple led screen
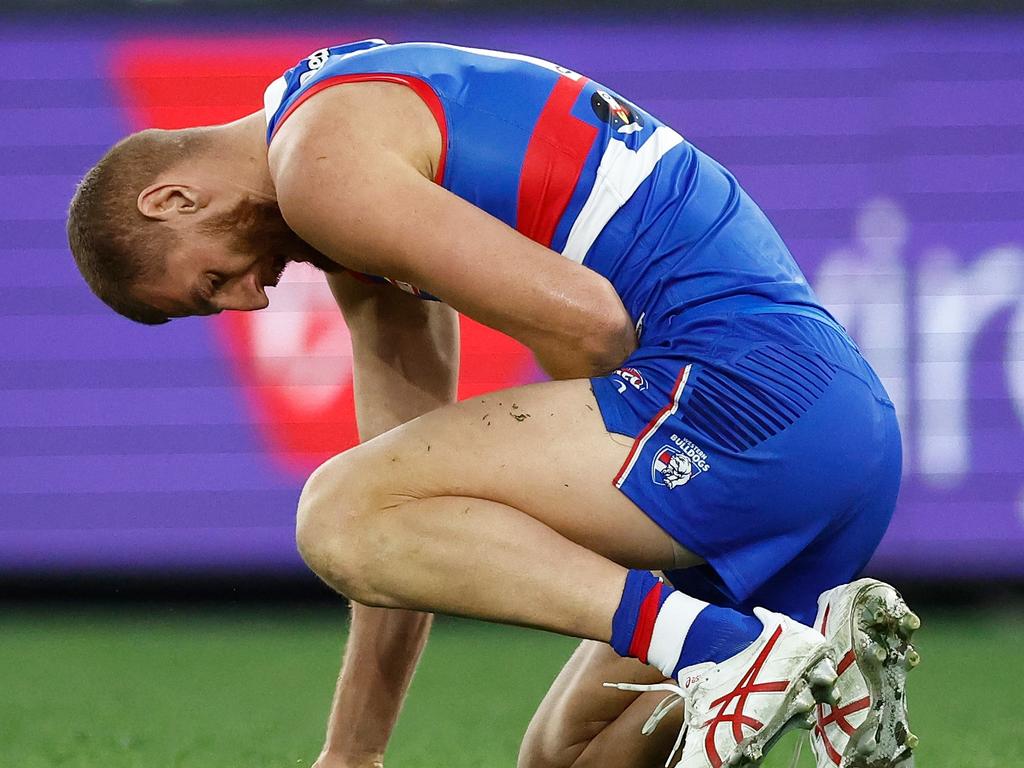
x,y
890,156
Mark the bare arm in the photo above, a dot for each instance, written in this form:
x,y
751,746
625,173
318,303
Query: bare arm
x,y
406,363
364,199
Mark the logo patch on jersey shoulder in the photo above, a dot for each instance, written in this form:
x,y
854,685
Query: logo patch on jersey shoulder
x,y
675,465
317,59
618,114
634,377
315,63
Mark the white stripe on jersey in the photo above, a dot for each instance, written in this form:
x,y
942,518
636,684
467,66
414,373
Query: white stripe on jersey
x,y
620,173
272,97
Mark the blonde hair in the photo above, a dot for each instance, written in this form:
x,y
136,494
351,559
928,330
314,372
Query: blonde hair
x,y
113,244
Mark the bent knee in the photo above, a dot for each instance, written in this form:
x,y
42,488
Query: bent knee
x,y
331,530
543,749
554,742
581,724
591,745
322,505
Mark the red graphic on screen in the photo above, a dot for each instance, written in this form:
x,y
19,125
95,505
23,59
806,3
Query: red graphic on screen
x,y
294,363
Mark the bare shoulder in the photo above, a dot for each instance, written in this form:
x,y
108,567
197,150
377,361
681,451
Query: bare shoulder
x,y
350,125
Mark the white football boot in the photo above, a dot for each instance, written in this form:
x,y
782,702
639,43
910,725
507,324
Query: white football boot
x,y
868,628
735,710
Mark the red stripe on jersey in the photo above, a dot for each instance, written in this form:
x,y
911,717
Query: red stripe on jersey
x,y
554,160
645,619
420,87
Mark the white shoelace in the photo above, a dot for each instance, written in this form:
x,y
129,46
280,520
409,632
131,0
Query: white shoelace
x,y
676,697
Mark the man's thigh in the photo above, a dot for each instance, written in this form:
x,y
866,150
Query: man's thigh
x,y
541,448
582,724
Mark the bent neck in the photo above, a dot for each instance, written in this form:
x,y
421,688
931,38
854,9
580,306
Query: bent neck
x,y
238,153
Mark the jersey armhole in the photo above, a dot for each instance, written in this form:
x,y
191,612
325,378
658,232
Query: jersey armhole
x,y
420,87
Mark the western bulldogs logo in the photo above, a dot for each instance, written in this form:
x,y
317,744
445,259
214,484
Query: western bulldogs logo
x,y
672,469
619,115
677,464
634,377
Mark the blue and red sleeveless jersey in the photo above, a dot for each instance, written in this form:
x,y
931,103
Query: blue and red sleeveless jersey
x,y
572,165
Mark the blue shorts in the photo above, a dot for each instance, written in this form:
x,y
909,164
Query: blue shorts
x,y
771,450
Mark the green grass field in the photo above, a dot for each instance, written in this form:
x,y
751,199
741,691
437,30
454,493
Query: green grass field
x,y
220,688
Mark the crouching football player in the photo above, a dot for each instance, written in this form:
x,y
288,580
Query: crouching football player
x,y
708,419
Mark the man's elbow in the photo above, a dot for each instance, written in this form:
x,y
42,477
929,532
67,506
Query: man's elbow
x,y
611,337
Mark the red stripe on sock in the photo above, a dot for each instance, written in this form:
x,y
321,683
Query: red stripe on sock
x,y
645,623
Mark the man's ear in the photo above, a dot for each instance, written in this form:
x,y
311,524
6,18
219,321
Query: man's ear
x,y
162,201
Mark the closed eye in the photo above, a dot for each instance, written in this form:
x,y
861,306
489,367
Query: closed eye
x,y
202,299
